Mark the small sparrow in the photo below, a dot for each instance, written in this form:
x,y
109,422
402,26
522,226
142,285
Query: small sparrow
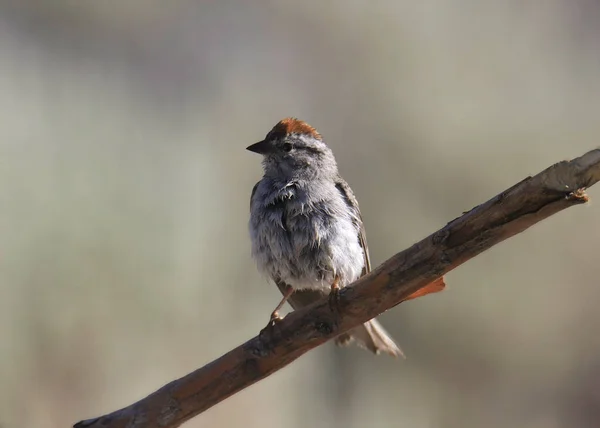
x,y
306,228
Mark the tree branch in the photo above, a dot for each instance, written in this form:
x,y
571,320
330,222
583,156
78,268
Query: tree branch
x,y
507,214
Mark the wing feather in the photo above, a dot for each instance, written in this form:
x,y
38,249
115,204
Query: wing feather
x,y
352,203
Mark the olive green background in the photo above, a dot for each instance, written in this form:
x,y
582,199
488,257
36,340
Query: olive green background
x,y
124,191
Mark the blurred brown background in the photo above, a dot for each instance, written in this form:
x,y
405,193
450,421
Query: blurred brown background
x,y
124,189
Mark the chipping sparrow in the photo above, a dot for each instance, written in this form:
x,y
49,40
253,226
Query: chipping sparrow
x,y
306,228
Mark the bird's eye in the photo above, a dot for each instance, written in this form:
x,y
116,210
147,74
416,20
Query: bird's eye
x,y
287,147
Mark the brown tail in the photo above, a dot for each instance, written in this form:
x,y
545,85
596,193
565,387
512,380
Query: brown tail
x,y
372,336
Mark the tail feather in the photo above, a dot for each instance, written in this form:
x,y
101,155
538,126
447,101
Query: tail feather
x,y
372,336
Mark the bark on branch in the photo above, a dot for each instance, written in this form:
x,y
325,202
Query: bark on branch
x,y
507,214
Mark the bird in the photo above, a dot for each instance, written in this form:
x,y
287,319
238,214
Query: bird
x,y
306,228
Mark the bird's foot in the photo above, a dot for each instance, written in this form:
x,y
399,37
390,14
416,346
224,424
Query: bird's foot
x,y
270,329
334,295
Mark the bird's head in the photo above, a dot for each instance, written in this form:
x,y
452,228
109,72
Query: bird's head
x,y
295,150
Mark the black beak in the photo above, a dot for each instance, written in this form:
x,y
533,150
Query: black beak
x,y
262,147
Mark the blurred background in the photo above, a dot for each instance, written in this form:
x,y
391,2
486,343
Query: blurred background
x,y
124,191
